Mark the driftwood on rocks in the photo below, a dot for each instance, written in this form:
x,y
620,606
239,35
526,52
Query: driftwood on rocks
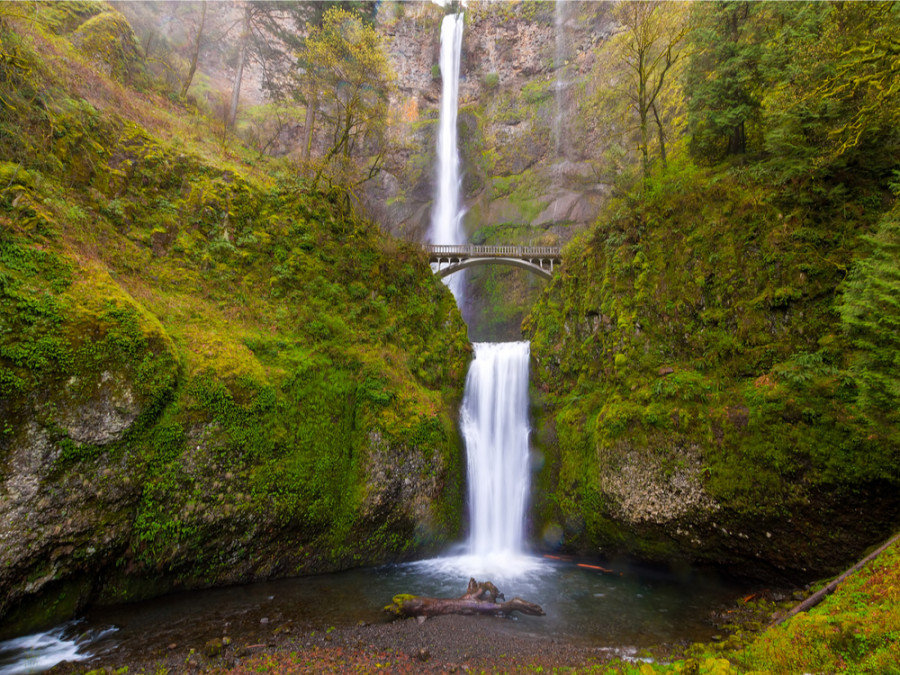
x,y
479,598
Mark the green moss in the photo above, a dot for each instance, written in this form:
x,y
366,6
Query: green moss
x,y
108,40
64,17
854,630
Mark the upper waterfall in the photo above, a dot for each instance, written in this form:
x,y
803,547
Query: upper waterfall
x,y
446,217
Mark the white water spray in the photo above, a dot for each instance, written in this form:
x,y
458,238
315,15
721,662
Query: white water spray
x,y
494,422
446,218
494,415
41,651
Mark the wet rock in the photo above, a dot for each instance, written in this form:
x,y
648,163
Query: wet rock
x,y
402,484
109,411
656,485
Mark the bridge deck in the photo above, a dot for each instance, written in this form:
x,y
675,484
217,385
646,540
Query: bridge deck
x,y
472,251
450,259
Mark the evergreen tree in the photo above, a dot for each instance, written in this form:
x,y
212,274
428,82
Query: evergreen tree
x,y
277,31
866,78
870,312
832,75
723,80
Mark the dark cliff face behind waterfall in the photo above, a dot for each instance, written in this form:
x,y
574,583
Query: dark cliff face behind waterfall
x,y
208,375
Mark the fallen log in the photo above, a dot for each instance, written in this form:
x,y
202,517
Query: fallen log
x,y
820,595
479,598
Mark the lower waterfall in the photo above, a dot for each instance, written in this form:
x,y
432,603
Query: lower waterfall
x,y
494,422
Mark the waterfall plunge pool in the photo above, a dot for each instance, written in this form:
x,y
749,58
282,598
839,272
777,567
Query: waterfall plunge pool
x,y
622,606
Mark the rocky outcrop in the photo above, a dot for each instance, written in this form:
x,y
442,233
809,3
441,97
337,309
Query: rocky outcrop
x,y
111,490
102,417
659,485
69,492
109,43
205,377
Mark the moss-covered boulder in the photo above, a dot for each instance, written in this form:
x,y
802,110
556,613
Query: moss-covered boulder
x,y
108,41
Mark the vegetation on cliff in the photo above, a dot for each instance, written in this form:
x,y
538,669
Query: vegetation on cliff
x,y
208,372
717,358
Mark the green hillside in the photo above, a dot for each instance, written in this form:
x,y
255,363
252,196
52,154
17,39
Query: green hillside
x,y
209,372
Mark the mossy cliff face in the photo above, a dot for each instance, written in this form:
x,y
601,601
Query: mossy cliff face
x,y
694,395
207,375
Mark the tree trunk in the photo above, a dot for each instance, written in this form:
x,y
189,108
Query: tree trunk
x,y
737,142
196,55
239,73
310,124
479,598
662,137
643,109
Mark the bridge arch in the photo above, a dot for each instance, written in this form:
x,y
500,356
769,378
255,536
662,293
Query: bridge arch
x,y
453,267
449,259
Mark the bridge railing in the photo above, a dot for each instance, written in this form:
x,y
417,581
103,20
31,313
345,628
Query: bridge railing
x,y
474,251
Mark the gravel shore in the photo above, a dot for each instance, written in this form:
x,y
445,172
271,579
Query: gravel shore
x,y
444,644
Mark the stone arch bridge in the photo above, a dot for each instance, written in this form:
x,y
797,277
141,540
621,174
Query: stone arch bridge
x,y
541,260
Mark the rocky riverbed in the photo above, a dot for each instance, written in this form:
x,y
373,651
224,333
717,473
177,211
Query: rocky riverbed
x,y
444,644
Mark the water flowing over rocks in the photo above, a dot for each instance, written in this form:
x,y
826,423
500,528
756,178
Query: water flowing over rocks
x,y
494,421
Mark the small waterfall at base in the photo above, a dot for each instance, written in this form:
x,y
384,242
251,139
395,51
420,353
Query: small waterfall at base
x,y
446,218
495,429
